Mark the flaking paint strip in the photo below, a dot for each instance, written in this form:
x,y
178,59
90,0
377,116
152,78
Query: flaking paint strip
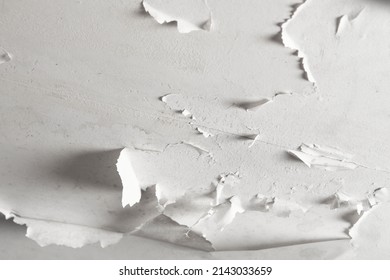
x,y
289,42
46,232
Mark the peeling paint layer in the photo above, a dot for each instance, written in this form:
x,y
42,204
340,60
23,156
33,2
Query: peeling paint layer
x,y
323,157
131,188
46,232
5,56
190,15
288,41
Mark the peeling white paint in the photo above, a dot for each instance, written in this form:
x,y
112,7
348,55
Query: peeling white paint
x,y
190,15
289,42
113,78
131,193
323,157
46,232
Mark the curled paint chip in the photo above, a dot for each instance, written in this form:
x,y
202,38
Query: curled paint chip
x,y
131,193
251,106
190,15
164,98
323,157
5,56
345,21
163,198
205,133
187,114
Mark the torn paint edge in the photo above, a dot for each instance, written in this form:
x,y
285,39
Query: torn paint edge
x,y
42,239
182,26
288,42
131,192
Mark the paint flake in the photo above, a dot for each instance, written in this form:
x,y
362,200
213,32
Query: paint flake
x,y
5,56
131,189
342,200
323,157
252,106
163,198
205,133
345,21
187,114
190,15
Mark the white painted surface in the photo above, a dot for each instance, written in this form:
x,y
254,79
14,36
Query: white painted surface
x,y
85,79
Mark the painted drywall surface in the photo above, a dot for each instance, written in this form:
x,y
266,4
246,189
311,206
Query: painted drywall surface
x,y
86,79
